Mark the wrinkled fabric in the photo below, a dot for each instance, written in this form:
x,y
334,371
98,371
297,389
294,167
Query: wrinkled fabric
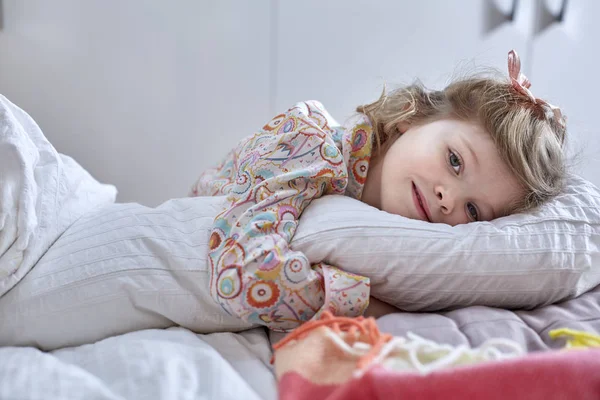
x,y
42,192
269,179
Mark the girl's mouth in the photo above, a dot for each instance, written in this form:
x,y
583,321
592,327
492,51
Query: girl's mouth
x,y
420,203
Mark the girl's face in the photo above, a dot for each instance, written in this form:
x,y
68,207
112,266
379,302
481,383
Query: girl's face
x,y
446,171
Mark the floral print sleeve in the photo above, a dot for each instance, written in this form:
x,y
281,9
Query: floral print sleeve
x,y
270,178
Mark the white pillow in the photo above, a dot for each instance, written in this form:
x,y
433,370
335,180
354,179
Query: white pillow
x,y
121,268
519,261
127,267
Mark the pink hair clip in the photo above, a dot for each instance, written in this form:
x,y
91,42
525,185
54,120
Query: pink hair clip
x,y
522,84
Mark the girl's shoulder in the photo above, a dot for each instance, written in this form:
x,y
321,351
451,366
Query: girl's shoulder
x,y
314,111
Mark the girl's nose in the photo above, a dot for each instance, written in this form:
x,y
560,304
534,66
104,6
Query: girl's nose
x,y
445,199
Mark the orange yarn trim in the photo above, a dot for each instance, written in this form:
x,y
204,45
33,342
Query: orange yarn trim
x,y
366,326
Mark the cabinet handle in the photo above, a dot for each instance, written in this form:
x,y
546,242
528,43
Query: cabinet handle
x,y
507,9
513,11
498,13
551,12
555,9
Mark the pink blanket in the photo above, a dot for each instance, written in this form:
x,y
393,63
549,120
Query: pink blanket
x,y
321,360
573,374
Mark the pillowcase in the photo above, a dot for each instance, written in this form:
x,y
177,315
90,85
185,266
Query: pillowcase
x,y
518,261
126,267
120,268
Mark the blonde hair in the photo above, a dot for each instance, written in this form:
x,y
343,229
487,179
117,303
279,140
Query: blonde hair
x,y
528,138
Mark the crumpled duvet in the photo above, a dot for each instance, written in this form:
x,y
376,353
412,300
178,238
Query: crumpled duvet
x,y
161,364
42,192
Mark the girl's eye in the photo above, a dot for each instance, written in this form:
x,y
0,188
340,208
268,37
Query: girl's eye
x,y
472,212
455,162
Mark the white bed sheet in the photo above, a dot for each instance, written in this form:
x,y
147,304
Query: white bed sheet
x,y
165,364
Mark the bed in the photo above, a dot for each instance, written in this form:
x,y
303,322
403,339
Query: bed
x,y
175,363
94,313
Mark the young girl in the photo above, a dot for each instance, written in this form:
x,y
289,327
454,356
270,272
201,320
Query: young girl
x,y
479,149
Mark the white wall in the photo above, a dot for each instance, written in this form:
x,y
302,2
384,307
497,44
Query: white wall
x,y
564,62
145,94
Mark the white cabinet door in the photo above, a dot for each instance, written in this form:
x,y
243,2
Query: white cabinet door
x,y
342,51
145,94
565,58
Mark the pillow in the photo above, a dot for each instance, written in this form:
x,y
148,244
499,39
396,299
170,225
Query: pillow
x,y
121,268
127,267
518,261
101,269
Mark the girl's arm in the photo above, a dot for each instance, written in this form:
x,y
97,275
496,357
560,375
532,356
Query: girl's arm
x,y
254,273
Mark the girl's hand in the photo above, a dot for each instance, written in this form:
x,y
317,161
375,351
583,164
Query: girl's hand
x,y
378,308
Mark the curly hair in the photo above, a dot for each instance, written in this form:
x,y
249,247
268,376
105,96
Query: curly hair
x,y
528,137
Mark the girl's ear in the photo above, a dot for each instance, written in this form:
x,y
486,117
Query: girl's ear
x,y
402,126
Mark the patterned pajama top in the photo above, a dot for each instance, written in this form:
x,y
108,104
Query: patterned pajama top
x,y
269,179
